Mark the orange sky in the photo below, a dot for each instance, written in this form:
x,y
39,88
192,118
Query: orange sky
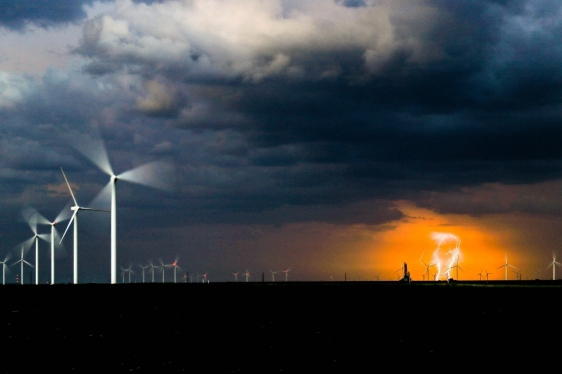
x,y
484,243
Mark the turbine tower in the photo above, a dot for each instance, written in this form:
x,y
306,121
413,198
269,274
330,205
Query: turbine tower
x,y
506,265
61,217
175,266
272,275
427,266
76,208
33,218
553,264
286,274
22,261
4,267
247,275
143,269
235,277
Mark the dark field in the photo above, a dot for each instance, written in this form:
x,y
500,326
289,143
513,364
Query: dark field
x,y
345,327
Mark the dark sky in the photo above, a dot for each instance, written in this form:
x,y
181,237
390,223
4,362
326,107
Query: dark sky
x,y
279,116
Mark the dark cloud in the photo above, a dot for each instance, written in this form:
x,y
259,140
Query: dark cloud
x,y
16,14
462,94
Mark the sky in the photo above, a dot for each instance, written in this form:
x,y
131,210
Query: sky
x,y
331,137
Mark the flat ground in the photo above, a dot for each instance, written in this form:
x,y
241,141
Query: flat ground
x,y
344,327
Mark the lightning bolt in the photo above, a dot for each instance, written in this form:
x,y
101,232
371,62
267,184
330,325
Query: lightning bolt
x,y
446,264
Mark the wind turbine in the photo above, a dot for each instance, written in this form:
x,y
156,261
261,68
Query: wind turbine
x,y
143,269
4,267
480,274
235,277
553,264
76,208
130,271
33,218
61,217
151,269
487,274
272,275
163,268
247,275
205,278
458,267
506,265
426,266
175,266
22,261
518,274
286,274
538,271
155,174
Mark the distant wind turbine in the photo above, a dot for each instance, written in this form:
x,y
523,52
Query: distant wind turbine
x,y
487,273
235,277
427,266
61,217
33,218
553,264
156,174
480,274
272,275
22,261
143,269
175,266
286,274
506,265
247,275
4,267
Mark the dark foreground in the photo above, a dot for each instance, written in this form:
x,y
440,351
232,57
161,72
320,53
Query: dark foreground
x,y
350,327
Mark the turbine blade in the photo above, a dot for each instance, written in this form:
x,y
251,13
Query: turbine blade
x,y
28,263
95,210
103,198
92,148
25,245
67,227
45,237
157,174
70,189
34,218
64,214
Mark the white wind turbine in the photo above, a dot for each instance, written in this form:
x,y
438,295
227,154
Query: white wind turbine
x,y
427,266
286,274
506,265
272,275
175,266
553,264
247,275
33,219
76,208
151,269
143,269
61,217
22,261
156,174
235,277
163,268
130,271
4,267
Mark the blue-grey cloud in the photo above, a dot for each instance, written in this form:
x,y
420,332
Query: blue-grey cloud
x,y
16,14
